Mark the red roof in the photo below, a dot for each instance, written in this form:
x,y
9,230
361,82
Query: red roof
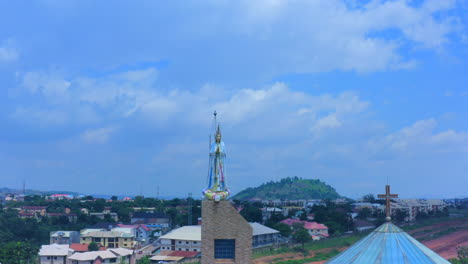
x,y
307,225
314,225
82,247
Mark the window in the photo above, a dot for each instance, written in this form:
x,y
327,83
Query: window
x,y
180,242
48,257
194,242
97,239
225,248
186,249
125,245
179,249
186,242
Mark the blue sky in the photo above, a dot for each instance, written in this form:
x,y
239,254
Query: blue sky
x,y
116,97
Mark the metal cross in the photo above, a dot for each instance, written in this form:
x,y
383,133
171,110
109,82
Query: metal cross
x,y
387,197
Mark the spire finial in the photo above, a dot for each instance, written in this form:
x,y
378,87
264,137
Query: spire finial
x,y
387,197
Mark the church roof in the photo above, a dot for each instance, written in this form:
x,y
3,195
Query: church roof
x,y
388,244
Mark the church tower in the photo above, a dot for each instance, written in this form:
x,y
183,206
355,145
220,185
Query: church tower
x,y
226,235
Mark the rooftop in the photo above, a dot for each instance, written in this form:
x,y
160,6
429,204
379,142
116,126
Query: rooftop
x,y
107,234
55,250
192,233
388,244
259,229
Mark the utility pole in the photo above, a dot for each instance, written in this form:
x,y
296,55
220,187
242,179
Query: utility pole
x,y
190,205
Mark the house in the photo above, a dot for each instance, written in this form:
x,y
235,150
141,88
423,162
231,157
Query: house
x,y
71,217
142,232
64,237
35,210
109,239
263,236
77,247
146,251
315,230
174,256
151,218
59,196
102,216
115,255
55,254
186,238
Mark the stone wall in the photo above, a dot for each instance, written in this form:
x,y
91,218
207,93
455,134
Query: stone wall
x,y
220,220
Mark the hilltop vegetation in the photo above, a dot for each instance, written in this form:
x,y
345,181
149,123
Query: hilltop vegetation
x,y
291,188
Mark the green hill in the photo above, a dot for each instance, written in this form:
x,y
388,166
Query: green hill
x,y
291,189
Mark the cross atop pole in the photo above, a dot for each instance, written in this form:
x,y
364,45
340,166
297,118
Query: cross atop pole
x,y
387,197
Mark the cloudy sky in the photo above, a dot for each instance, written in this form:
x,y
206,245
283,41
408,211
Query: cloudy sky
x,y
116,97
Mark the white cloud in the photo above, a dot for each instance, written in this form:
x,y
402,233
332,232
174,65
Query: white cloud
x,y
8,52
99,135
133,94
40,117
420,139
329,121
325,35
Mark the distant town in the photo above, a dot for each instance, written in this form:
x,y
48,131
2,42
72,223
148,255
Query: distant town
x,y
82,229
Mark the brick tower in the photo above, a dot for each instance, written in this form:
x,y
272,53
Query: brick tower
x,y
226,235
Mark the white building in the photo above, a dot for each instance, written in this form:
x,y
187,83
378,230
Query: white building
x,y
263,236
64,237
54,254
186,238
114,255
414,206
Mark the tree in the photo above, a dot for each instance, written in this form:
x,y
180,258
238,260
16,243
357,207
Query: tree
x,y
144,260
369,198
364,213
400,215
93,246
17,253
284,229
114,198
302,236
252,213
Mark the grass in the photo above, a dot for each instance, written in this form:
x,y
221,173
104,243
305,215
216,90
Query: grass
x,y
318,257
335,242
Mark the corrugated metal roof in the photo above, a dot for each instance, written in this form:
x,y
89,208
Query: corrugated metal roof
x,y
259,229
55,250
192,233
388,244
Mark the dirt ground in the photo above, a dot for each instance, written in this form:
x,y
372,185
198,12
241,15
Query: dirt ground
x,y
445,245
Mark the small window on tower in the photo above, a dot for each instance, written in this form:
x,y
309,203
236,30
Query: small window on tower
x,y
225,248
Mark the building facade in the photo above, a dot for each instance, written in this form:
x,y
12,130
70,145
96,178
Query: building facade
x,y
109,239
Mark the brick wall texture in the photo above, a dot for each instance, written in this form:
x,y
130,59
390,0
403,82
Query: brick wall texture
x,y
220,220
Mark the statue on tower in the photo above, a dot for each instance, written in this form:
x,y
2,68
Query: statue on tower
x,y
216,190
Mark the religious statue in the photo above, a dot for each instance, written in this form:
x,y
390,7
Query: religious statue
x,y
216,190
